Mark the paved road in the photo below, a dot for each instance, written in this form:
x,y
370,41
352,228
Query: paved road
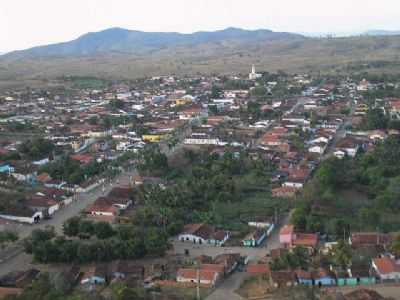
x,y
13,257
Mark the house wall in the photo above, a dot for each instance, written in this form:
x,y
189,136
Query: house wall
x,y
308,282
191,238
93,280
325,281
351,151
29,220
193,280
67,201
259,224
217,242
102,213
298,185
390,276
367,280
285,239
53,209
124,206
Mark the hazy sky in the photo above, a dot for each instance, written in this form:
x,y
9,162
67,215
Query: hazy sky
x,y
27,23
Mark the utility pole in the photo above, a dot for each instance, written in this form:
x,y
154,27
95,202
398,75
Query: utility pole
x,y
197,281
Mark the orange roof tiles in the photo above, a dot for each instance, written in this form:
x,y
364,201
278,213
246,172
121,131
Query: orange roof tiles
x,y
386,265
257,269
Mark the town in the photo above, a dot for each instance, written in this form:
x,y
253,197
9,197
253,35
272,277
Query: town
x,y
249,186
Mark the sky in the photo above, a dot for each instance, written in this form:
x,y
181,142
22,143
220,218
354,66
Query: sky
x,y
28,23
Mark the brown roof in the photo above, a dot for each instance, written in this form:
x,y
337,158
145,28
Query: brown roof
x,y
40,201
208,275
258,269
213,267
284,191
127,268
386,265
202,230
278,252
301,274
7,292
370,238
306,239
121,192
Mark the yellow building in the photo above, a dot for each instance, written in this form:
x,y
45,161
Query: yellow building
x,y
183,101
152,138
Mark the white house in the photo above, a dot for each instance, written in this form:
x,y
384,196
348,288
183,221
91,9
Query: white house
x,y
23,216
203,234
386,268
294,183
340,154
95,275
201,141
204,277
348,145
318,148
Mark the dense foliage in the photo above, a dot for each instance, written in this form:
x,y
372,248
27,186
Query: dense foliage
x,y
72,171
214,189
36,149
372,178
58,287
297,259
97,242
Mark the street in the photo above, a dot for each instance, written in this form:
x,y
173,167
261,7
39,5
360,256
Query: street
x,y
226,290
13,258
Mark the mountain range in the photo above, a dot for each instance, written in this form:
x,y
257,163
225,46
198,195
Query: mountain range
x,y
382,32
121,40
122,53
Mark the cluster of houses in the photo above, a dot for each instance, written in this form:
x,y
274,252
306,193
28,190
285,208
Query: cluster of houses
x,y
108,208
205,234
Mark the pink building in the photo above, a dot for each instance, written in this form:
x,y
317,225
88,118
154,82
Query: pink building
x,y
286,235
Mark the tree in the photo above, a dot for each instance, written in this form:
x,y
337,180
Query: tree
x,y
117,104
216,92
395,247
376,119
8,237
103,230
155,242
299,218
36,149
369,217
342,254
86,228
71,226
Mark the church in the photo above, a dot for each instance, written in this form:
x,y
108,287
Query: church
x,y
253,75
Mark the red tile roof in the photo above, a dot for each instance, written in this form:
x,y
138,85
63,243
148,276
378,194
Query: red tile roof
x,y
258,269
386,265
191,274
306,240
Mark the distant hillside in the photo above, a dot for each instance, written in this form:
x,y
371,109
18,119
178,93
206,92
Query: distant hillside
x,y
382,32
120,53
121,40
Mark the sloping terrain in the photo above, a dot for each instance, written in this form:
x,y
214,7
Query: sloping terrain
x,y
229,51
